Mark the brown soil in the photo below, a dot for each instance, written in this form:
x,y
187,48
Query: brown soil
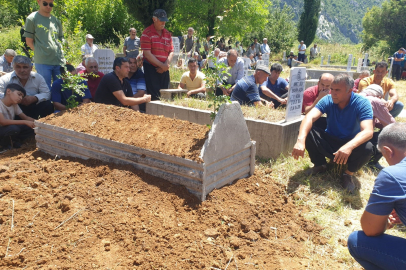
x,y
158,133
121,218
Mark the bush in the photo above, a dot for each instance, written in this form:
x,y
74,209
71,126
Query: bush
x,y
10,39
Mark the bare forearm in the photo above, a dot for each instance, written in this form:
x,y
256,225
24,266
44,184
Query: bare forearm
x,y
305,127
170,56
269,93
360,138
128,101
6,122
125,50
152,59
139,94
30,43
59,106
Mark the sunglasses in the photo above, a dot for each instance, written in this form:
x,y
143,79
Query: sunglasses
x,y
46,4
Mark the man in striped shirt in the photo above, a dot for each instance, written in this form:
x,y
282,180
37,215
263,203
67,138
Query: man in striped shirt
x,y
156,43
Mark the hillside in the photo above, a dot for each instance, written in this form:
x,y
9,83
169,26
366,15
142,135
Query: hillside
x,y
340,20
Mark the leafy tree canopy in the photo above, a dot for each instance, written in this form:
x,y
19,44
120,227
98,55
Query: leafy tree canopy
x,y
142,9
308,22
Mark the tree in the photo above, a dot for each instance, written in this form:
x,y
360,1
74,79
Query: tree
x,y
280,29
142,9
308,22
224,18
387,23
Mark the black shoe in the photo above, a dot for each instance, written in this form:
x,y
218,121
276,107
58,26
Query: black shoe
x,y
347,182
316,170
376,166
17,145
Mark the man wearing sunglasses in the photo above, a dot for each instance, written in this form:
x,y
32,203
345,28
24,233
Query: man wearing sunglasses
x,y
43,34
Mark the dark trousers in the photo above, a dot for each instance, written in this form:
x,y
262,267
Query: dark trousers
x,y
376,154
301,57
155,81
39,110
320,145
396,72
219,92
14,133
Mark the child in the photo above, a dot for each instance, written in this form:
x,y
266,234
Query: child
x,y
13,132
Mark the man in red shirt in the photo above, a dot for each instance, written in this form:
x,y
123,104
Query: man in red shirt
x,y
94,75
313,94
156,43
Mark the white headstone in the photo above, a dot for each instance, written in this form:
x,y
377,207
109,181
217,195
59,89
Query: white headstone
x,y
349,62
297,84
365,60
105,59
260,62
359,65
328,60
176,45
322,60
247,63
284,56
390,69
266,56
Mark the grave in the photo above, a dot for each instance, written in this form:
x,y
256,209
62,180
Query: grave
x,y
295,98
105,59
311,82
227,154
272,138
170,94
316,73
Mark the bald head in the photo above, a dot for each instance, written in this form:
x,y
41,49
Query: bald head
x,y
325,81
232,52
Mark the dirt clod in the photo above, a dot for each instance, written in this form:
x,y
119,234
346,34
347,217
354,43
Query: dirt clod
x,y
7,188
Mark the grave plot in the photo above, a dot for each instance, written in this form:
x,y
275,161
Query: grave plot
x,y
178,151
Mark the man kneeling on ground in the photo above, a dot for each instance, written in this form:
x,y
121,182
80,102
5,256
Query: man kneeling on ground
x,y
349,129
60,94
246,90
386,206
115,89
13,132
193,80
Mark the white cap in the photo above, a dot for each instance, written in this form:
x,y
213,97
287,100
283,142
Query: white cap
x,y
89,36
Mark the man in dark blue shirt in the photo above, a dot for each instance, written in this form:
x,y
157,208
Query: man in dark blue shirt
x,y
346,138
275,88
386,207
398,61
246,90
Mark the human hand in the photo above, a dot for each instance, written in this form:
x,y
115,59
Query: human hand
x,y
283,100
225,92
298,150
269,104
393,219
29,124
147,98
324,93
159,70
389,104
28,100
341,156
189,93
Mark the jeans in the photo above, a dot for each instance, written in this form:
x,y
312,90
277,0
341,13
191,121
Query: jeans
x,y
396,72
48,72
397,109
378,252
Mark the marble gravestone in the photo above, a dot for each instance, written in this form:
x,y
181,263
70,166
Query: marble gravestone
x,y
105,59
349,62
297,84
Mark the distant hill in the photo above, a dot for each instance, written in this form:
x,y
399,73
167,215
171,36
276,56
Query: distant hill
x,y
340,20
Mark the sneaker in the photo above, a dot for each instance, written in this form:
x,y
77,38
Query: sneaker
x,y
347,182
316,170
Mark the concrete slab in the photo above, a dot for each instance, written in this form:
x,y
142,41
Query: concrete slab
x,y
316,73
312,82
402,114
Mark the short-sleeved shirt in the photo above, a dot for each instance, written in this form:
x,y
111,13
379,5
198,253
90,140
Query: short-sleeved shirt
x,y
7,67
58,94
399,56
302,47
386,84
246,91
47,34
137,81
195,83
279,88
87,50
133,46
92,81
309,96
109,84
345,123
188,44
236,72
389,192
9,112
159,45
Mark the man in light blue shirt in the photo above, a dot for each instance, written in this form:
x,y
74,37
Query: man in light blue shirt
x,y
265,47
6,60
237,72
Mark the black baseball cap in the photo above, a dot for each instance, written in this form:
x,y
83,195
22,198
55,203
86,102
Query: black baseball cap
x,y
160,14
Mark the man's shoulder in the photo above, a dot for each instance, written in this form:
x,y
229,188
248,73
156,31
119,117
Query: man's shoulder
x,y
32,16
312,89
281,80
201,74
396,171
148,30
58,83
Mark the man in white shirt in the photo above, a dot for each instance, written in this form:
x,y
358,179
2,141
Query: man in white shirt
x,y
89,48
314,51
302,51
265,47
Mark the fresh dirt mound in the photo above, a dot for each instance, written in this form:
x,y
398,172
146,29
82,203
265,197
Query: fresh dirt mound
x,y
169,136
125,219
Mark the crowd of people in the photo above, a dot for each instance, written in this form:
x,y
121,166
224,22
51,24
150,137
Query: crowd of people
x,y
359,127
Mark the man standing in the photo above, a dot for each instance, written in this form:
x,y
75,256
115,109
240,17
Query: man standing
x,y
193,80
346,138
302,51
251,50
89,48
314,51
257,47
189,40
92,74
207,45
397,68
237,72
156,43
275,88
131,44
116,90
6,60
386,207
312,95
43,34
265,47
395,107
37,102
246,90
